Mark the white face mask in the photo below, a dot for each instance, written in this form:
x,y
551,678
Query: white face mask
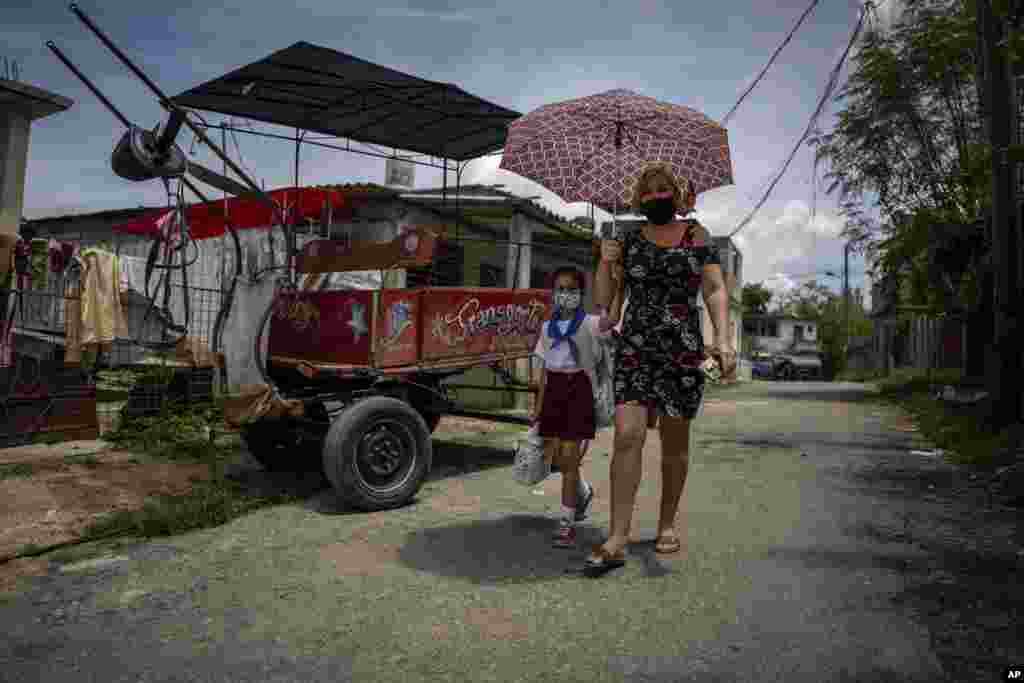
x,y
567,299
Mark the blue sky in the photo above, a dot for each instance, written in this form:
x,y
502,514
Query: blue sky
x,y
520,55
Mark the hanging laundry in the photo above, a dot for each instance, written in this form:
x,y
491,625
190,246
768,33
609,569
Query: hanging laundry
x,y
7,246
60,256
72,331
39,263
102,316
21,258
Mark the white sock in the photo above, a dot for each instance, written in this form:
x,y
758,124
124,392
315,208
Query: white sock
x,y
568,514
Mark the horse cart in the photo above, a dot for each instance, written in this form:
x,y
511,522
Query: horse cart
x,y
353,379
359,372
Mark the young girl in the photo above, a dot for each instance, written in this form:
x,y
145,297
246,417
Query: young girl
x,y
565,412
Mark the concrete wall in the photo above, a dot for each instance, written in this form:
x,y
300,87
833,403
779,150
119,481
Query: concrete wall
x,y
14,134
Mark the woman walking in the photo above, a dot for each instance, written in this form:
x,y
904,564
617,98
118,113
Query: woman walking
x,y
657,374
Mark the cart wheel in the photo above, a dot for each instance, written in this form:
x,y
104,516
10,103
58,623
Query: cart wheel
x,y
377,453
278,448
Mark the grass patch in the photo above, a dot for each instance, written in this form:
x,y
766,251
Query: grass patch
x,y
209,504
965,432
47,439
180,432
87,460
861,376
17,469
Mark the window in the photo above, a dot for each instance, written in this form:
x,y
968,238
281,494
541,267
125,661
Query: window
x,y
798,332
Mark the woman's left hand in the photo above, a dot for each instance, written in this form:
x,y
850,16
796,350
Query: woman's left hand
x,y
725,357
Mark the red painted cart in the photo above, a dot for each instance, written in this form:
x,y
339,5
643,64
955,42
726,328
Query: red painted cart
x,y
367,366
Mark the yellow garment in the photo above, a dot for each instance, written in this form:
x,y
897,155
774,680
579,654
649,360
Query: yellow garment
x,y
72,331
102,316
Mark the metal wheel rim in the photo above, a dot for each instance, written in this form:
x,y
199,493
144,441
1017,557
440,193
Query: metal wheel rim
x,y
384,458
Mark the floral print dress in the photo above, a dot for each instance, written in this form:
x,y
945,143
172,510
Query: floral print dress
x,y
662,346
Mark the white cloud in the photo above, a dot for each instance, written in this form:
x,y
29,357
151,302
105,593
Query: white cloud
x,y
409,13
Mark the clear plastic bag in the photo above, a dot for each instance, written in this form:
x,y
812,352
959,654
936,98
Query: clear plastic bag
x,y
528,466
604,392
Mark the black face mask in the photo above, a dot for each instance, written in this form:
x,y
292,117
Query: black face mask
x,y
659,211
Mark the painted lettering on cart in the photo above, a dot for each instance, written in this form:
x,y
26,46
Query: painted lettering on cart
x,y
399,320
504,319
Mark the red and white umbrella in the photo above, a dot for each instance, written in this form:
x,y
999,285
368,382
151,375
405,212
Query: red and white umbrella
x,y
592,149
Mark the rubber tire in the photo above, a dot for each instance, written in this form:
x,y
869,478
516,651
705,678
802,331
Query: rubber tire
x,y
271,447
343,439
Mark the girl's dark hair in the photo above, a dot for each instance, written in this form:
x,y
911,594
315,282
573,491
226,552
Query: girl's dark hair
x,y
568,270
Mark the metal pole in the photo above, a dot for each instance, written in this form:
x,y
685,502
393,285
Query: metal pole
x,y
95,91
167,104
109,105
846,298
224,144
1002,377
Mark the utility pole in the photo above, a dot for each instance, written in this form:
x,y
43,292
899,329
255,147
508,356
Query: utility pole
x,y
846,298
1004,371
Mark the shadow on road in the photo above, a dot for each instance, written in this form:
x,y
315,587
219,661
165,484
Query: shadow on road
x,y
509,549
451,460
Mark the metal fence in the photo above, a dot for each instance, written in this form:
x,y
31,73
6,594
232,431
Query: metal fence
x,y
46,387
935,343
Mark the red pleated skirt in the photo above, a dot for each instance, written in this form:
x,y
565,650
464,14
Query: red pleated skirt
x,y
568,409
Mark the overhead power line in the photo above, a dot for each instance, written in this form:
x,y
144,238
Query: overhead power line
x,y
830,87
778,51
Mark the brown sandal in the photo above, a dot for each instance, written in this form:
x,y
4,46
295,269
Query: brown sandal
x,y
604,563
667,545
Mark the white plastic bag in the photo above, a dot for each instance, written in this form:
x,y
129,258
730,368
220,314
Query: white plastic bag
x,y
604,392
528,465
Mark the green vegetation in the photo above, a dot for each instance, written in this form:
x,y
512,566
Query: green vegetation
x,y
18,469
179,432
183,433
964,432
209,504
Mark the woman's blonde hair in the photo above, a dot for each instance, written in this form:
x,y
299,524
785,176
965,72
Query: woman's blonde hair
x,y
656,171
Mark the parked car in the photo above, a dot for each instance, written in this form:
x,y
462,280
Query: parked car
x,y
797,367
761,366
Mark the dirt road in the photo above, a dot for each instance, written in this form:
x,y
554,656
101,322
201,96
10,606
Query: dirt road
x,y
818,549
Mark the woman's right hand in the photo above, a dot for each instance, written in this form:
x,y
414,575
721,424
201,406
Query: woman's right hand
x,y
611,251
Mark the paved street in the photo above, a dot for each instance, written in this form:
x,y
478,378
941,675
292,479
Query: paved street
x,y
800,559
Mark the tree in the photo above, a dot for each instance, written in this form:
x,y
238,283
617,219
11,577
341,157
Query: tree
x,y
910,133
831,340
756,298
805,302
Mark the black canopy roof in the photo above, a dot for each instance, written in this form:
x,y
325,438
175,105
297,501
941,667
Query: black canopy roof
x,y
318,89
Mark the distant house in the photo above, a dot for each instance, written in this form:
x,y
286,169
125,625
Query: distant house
x,y
781,334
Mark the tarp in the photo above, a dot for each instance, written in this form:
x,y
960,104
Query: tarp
x,y
207,220
318,89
